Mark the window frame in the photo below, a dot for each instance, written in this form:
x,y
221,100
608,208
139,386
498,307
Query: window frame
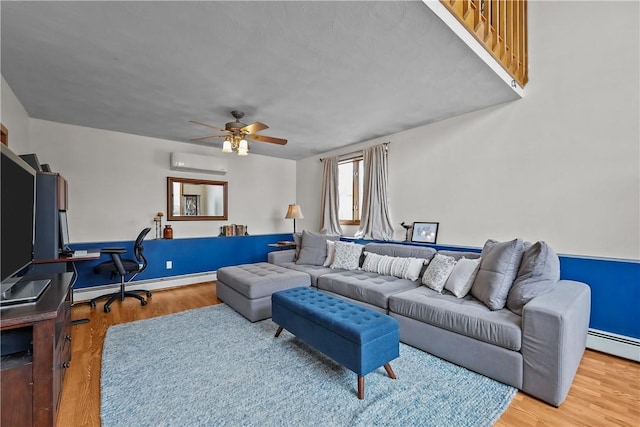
x,y
355,200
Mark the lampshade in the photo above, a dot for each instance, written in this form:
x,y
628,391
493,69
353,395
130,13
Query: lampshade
x,y
226,146
243,145
294,212
242,152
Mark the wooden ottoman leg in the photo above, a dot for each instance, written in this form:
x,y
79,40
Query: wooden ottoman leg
x,y
387,367
360,387
279,331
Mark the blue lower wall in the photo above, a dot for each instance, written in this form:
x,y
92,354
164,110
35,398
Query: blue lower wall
x,y
615,284
194,255
615,288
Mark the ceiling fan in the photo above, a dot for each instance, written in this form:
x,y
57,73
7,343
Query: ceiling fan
x,y
236,134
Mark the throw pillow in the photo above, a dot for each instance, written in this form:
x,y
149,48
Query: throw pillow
x,y
538,273
407,268
347,255
331,251
498,269
438,272
314,248
297,237
461,279
371,262
401,267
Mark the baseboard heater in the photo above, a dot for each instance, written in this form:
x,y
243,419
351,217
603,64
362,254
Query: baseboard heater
x,y
618,345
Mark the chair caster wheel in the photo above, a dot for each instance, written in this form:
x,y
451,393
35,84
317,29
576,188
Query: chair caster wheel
x,y
107,309
92,304
143,303
148,294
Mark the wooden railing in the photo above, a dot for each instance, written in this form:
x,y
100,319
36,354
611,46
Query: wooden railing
x,y
501,26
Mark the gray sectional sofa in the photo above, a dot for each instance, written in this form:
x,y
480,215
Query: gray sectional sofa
x,y
534,342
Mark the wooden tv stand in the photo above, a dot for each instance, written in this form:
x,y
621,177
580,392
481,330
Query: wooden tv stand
x,y
31,382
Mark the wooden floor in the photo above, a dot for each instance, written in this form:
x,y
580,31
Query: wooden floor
x,y
606,391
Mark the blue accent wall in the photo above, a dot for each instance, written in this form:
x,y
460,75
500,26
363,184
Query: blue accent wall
x,y
614,283
191,255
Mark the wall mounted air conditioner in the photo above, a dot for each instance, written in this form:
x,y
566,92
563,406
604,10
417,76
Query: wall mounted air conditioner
x,y
198,163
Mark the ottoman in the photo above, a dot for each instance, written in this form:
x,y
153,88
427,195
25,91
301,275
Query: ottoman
x,y
247,288
358,338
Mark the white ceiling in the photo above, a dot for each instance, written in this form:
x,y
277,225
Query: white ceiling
x,y
323,75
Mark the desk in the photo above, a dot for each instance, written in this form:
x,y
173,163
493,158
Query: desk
x,y
92,254
31,383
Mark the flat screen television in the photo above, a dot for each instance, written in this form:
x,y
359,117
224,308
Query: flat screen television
x,y
17,210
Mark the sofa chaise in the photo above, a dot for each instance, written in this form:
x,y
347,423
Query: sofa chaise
x,y
528,331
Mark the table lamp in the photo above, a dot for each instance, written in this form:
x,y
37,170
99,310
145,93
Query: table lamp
x,y
294,212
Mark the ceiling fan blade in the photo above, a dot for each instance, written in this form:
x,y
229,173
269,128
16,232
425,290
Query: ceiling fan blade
x,y
254,127
209,126
270,139
208,137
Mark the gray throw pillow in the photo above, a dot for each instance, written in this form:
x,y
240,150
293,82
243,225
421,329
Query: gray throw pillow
x,y
539,271
498,269
297,237
314,248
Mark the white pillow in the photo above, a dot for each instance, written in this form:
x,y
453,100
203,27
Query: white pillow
x,y
438,272
461,279
371,262
331,252
347,255
401,267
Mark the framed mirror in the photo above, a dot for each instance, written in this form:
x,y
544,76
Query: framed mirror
x,y
196,200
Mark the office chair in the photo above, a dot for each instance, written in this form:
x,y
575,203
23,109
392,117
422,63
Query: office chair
x,y
122,267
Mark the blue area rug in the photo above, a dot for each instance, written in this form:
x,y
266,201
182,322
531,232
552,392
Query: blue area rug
x,y
211,366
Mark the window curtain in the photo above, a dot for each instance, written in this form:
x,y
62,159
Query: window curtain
x,y
329,219
375,220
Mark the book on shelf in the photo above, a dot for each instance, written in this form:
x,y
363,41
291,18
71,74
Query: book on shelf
x,y
233,230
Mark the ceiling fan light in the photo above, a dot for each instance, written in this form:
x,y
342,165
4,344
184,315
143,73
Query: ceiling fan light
x,y
226,146
243,145
243,152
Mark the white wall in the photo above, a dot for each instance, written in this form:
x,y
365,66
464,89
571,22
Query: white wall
x,y
560,165
15,118
117,183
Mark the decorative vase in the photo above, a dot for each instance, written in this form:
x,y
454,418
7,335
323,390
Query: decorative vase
x,y
168,232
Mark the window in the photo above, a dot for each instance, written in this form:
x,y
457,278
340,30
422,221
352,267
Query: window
x,y
350,191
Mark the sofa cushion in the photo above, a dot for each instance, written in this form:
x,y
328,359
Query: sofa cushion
x,y
438,272
347,256
461,278
331,253
314,271
466,316
538,273
371,288
398,250
314,248
460,254
498,269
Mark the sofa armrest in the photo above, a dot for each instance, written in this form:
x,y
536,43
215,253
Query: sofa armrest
x,y
554,336
280,257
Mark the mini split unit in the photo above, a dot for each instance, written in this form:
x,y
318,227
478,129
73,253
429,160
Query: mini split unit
x,y
198,163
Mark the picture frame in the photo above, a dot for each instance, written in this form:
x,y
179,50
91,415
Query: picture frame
x,y
191,204
425,232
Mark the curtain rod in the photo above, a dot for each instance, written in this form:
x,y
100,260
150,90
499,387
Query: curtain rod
x,y
355,154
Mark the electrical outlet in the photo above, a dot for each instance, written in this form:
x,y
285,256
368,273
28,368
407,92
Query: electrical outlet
x,y
169,265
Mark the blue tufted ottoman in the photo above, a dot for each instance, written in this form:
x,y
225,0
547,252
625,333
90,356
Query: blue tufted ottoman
x,y
358,338
247,288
